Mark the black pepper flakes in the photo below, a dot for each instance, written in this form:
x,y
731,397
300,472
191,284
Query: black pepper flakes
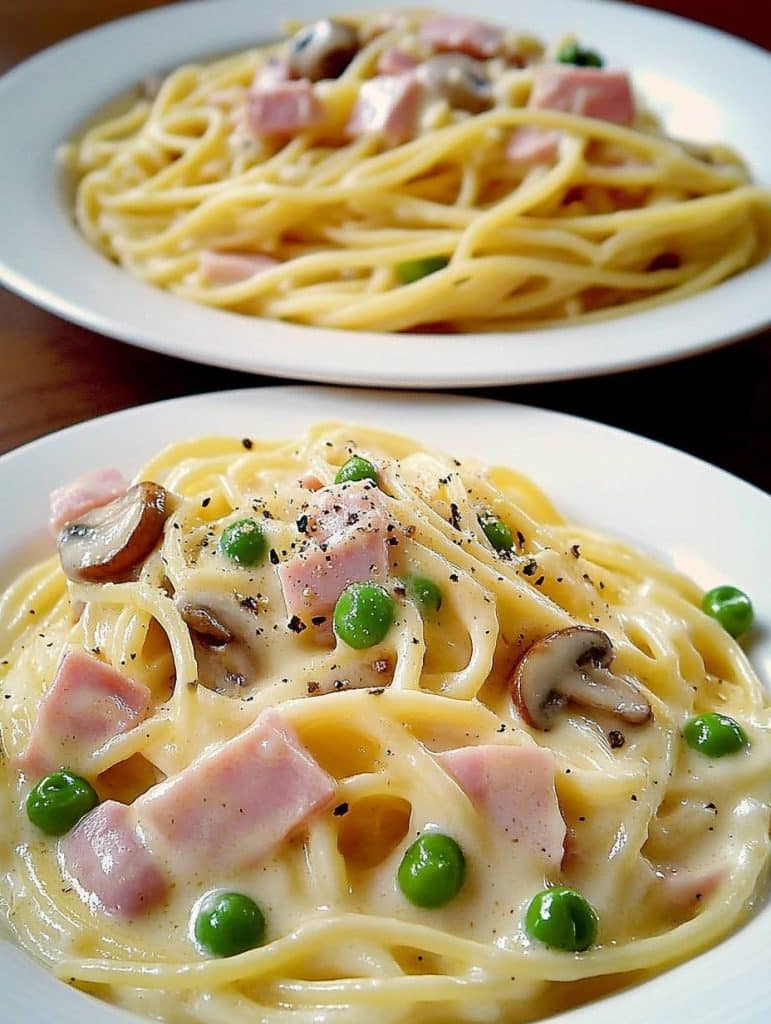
x,y
247,443
453,577
454,516
318,620
273,556
302,524
529,568
575,551
616,739
340,810
205,502
296,624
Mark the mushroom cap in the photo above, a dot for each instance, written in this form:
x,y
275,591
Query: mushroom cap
x,y
461,80
573,664
106,543
323,49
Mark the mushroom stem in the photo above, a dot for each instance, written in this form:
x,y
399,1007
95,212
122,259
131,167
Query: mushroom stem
x,y
600,689
573,666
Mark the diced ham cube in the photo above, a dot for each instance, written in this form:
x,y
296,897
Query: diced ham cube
x,y
313,580
87,704
387,105
588,92
232,267
81,495
310,482
533,145
106,858
285,108
460,33
394,61
513,787
234,804
334,509
347,530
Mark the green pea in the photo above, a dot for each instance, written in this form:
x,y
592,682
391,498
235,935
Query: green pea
x,y
356,468
243,542
432,870
715,735
562,918
424,592
227,923
497,532
572,53
413,270
59,801
731,607
363,615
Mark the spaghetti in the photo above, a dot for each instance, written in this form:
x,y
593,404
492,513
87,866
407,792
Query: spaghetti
x,y
429,169
430,709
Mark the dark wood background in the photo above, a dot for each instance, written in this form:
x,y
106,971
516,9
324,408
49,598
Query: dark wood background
x,y
716,406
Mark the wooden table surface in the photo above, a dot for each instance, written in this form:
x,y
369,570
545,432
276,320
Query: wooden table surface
x,y
716,405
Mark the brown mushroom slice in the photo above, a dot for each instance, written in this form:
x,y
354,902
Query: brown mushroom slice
x,y
204,623
572,665
106,543
323,49
225,631
459,79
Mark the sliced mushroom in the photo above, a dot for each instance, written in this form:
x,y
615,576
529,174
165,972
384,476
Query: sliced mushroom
x,y
573,666
459,79
225,630
204,623
107,542
323,49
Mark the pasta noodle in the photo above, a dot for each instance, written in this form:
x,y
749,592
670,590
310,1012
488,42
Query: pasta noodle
x,y
500,207
666,844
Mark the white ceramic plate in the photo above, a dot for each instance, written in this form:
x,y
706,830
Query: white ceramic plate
x,y
705,85
700,519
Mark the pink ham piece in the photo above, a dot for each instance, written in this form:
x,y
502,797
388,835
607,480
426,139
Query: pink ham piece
x,y
514,788
232,267
394,61
81,495
235,803
87,704
285,108
313,580
588,92
533,145
340,506
106,858
460,33
347,527
387,105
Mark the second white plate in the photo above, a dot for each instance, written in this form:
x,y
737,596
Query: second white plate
x,y
703,84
